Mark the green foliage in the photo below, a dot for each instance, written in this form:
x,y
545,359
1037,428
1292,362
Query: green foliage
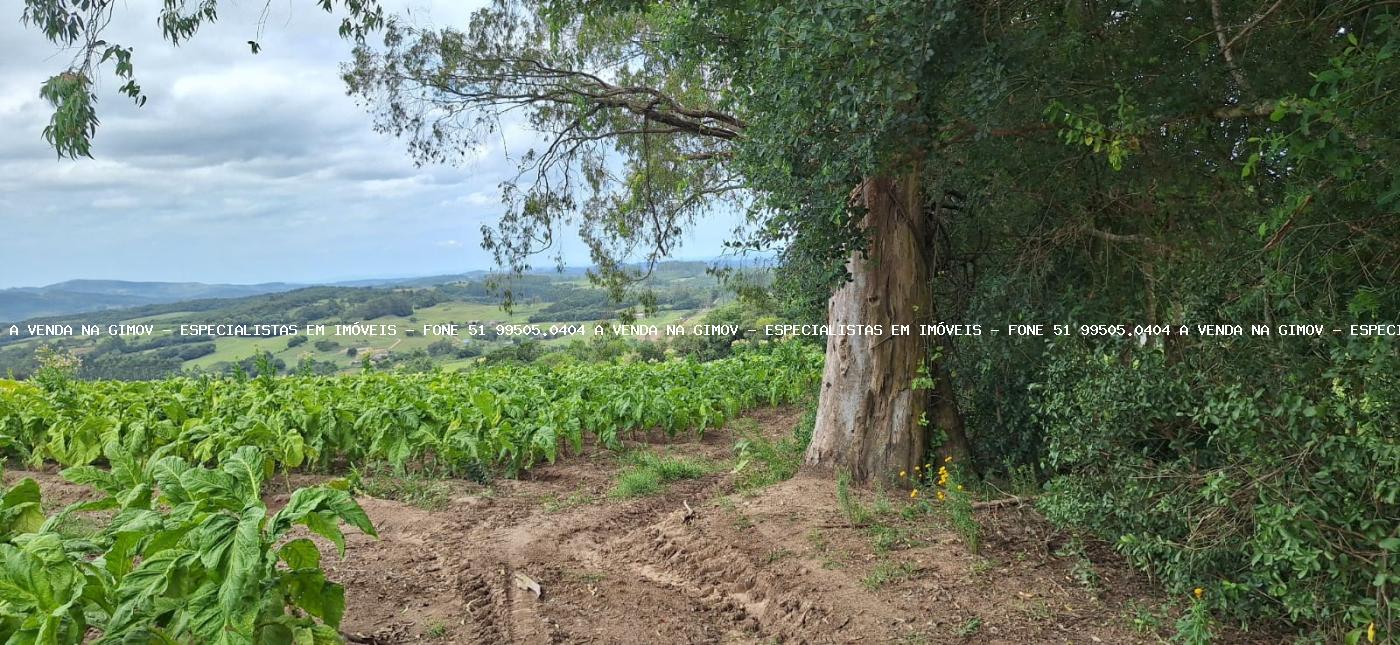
x,y
1275,496
190,554
78,25
762,462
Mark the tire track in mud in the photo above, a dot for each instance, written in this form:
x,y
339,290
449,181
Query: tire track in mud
x,y
487,603
721,578
489,549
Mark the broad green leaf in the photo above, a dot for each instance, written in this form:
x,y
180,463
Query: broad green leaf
x,y
247,565
301,553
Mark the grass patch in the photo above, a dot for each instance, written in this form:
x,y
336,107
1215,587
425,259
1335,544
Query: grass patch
x,y
650,474
762,462
972,626
414,489
637,483
887,572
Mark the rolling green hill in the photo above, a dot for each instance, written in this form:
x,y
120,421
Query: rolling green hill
x,y
399,313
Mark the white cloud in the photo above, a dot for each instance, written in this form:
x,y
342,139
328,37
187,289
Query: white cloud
x,y
240,168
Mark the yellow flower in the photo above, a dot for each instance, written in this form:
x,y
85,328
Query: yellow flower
x,y
916,468
914,493
959,486
941,496
903,474
948,459
1371,632
1199,592
926,466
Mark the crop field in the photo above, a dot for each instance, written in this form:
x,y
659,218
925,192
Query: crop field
x,y
512,417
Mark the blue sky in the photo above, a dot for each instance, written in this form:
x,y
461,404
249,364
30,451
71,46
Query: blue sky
x,y
240,168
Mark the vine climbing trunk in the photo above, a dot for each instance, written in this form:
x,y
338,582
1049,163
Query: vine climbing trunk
x,y
873,419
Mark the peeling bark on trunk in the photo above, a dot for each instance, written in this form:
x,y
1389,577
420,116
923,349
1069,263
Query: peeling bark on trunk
x,y
868,416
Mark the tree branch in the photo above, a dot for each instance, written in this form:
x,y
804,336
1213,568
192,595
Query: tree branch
x,y
1225,49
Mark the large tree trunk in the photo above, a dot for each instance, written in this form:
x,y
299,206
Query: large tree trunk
x,y
869,414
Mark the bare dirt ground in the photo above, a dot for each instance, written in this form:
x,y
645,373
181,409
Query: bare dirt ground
x,y
779,565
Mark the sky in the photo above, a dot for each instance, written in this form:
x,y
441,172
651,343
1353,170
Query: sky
x,y
240,168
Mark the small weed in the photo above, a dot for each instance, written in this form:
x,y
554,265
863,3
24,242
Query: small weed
x,y
744,426
1194,626
882,506
1145,620
885,538
856,513
762,462
959,505
917,638
1024,482
914,511
776,555
740,520
817,539
983,565
886,572
1082,570
556,503
587,577
969,628
436,630
944,492
1040,611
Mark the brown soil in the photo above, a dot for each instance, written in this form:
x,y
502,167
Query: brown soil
x,y
779,565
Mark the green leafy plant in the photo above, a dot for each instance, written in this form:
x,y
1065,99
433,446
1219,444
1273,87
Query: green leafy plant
x,y
191,554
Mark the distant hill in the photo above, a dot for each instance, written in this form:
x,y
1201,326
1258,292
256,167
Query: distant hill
x,y
81,296
87,296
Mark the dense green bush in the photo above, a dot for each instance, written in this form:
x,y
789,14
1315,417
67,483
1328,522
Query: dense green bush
x,y
1272,483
